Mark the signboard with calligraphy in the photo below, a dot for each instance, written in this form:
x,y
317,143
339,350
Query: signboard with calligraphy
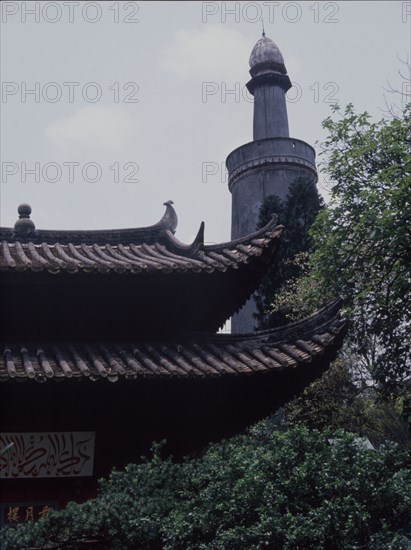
x,y
22,512
52,454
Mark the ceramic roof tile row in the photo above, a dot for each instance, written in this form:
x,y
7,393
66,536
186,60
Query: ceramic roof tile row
x,y
132,258
187,356
165,255
149,249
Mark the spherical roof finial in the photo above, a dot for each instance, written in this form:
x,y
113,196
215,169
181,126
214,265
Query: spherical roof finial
x,y
266,54
24,210
24,225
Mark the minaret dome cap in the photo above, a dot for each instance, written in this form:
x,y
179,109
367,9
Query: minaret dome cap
x,y
265,51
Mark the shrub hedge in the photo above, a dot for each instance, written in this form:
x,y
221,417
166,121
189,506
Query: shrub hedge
x,y
297,489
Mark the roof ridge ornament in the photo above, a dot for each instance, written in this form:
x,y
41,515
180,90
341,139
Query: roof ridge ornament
x,y
199,240
187,249
271,228
24,225
169,220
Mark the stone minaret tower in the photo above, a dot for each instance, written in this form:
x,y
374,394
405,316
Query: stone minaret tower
x,y
272,161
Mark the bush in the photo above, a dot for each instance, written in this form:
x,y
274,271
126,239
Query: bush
x,y
285,490
336,401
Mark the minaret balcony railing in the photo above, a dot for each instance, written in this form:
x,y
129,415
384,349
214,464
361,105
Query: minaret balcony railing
x,y
270,152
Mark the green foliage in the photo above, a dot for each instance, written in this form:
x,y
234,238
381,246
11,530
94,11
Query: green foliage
x,y
286,490
362,240
361,247
299,296
297,213
297,481
335,401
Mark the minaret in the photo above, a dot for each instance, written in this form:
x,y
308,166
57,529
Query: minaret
x,y
269,164
268,85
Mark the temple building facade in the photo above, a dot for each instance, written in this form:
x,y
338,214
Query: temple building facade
x,y
270,163
109,342
109,338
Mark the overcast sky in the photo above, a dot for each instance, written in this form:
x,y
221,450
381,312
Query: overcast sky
x,y
137,96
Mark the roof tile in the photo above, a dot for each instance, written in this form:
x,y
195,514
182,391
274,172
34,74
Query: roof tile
x,y
146,249
181,356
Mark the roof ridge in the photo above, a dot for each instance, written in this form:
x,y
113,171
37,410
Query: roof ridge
x,y
168,222
325,317
161,358
270,228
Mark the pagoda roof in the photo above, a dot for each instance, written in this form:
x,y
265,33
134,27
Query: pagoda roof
x,y
181,355
114,283
149,249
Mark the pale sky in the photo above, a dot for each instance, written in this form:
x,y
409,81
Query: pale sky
x,y
137,94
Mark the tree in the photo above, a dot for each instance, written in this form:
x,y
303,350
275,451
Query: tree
x,y
361,242
337,401
360,248
296,489
297,213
